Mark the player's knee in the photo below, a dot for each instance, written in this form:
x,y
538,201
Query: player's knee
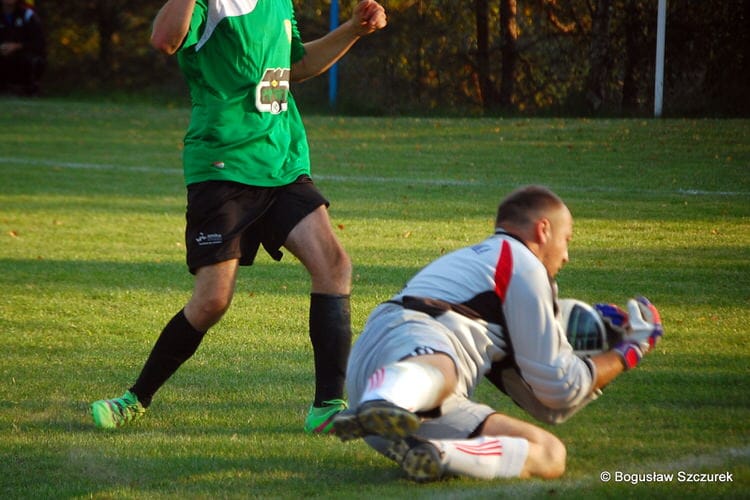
x,y
341,263
336,273
204,312
555,457
217,305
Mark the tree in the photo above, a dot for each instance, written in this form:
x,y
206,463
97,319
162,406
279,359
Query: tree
x,y
508,51
488,96
599,53
571,56
636,59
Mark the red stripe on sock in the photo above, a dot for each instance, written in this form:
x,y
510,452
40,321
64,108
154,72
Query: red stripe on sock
x,y
484,449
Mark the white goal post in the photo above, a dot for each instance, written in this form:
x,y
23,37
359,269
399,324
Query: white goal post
x,y
659,73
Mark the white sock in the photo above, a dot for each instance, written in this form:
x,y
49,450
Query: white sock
x,y
485,457
410,385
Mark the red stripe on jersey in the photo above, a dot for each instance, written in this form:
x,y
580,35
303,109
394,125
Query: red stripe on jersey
x,y
503,271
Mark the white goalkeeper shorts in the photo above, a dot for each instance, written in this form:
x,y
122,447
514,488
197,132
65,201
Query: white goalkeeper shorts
x,y
393,334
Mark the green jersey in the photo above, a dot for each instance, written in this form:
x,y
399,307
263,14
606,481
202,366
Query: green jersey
x,y
244,126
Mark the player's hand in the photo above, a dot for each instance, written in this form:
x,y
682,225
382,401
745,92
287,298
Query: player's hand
x,y
616,321
369,16
645,323
634,333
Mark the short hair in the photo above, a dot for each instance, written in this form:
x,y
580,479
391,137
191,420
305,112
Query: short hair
x,y
524,205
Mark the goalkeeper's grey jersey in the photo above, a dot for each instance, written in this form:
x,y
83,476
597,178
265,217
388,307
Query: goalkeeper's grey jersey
x,y
497,300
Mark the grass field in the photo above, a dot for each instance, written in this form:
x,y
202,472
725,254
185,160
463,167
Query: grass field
x,y
92,266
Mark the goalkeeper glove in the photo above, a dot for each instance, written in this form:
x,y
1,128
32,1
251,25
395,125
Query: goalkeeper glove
x,y
630,352
634,333
616,322
645,323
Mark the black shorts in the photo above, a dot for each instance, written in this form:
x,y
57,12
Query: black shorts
x,y
228,220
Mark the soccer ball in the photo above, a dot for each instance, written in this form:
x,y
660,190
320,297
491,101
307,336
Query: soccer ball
x,y
583,326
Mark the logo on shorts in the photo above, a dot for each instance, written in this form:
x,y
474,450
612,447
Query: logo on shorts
x,y
209,239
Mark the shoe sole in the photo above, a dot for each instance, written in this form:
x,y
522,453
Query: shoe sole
x,y
346,426
397,450
379,418
422,463
388,421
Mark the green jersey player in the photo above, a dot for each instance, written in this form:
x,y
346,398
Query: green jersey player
x,y
247,170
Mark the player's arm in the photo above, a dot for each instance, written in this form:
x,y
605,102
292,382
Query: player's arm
x,y
555,375
607,366
321,54
171,25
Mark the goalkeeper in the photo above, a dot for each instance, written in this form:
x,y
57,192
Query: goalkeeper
x,y
488,310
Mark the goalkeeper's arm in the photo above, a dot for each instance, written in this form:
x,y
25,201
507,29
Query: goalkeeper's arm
x,y
608,365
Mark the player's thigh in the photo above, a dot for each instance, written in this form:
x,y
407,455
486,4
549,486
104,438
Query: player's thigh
x,y
314,243
499,424
217,280
392,334
459,418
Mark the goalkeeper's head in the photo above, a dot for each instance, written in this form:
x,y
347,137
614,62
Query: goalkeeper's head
x,y
541,220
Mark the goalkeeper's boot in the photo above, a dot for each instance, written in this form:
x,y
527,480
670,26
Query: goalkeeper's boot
x,y
378,417
419,458
320,418
117,412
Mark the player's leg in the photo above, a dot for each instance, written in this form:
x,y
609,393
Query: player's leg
x,y
212,295
313,242
395,394
214,260
402,364
178,341
497,446
419,383
505,447
546,453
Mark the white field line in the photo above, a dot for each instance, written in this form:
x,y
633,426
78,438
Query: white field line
x,y
361,178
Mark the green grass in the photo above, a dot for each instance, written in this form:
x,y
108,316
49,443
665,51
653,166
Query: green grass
x,y
92,266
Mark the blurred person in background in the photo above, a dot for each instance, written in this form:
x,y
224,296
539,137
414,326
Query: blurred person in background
x,y
22,48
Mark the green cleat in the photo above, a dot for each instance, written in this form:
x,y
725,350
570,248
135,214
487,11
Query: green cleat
x,y
114,413
320,418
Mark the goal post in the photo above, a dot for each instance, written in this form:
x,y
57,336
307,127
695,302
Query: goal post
x,y
661,26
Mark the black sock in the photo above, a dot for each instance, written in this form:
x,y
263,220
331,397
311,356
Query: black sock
x,y
177,343
331,337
